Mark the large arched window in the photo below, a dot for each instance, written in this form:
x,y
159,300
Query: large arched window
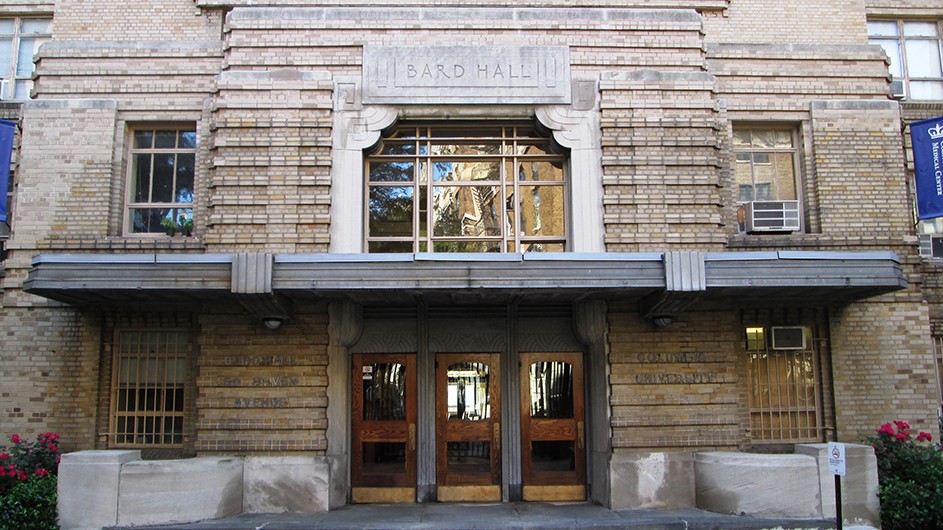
x,y
466,187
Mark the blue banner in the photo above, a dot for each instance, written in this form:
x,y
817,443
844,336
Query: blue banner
x,y
927,136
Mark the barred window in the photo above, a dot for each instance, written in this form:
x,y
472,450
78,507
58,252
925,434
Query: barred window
x,y
784,395
162,165
148,388
466,188
915,48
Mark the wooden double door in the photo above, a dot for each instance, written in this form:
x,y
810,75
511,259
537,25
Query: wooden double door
x,y
468,427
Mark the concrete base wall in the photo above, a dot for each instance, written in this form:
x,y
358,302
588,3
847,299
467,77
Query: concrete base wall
x,y
179,491
107,488
652,480
276,484
860,504
793,485
757,484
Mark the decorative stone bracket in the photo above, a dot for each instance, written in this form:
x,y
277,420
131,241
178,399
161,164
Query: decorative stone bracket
x,y
685,282
252,283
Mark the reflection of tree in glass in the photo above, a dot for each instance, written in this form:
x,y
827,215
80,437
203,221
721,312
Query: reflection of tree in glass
x,y
391,171
391,210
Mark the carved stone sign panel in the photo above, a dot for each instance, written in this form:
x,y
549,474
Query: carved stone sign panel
x,y
424,75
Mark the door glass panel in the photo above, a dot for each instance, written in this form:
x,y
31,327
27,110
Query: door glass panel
x,y
555,455
551,390
468,397
384,393
386,458
469,457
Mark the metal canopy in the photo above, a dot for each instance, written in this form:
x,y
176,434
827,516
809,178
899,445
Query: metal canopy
x,y
664,283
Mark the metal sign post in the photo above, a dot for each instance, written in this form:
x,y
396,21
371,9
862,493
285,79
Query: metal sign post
x,y
836,466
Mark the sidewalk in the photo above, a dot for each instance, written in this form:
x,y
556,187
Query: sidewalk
x,y
545,516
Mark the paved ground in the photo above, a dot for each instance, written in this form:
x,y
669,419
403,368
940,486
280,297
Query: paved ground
x,y
543,516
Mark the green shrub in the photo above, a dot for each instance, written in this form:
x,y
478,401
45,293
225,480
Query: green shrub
x,y
910,475
30,505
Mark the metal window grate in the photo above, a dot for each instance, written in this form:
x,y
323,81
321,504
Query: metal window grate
x,y
148,395
784,397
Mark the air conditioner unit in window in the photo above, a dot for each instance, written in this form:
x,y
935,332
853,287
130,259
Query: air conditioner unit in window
x,y
897,90
771,216
788,337
931,246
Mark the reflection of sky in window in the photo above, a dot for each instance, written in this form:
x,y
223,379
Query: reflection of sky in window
x,y
443,171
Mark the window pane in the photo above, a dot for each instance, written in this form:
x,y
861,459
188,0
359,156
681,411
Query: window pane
x,y
551,390
542,211
163,187
5,50
537,170
391,211
468,457
552,455
930,90
469,149
187,140
34,26
466,211
777,175
141,169
391,171
398,148
21,88
143,139
763,139
467,246
892,49
165,139
385,458
185,163
384,392
539,246
468,394
6,26
921,29
390,246
882,28
741,138
24,60
466,171
923,58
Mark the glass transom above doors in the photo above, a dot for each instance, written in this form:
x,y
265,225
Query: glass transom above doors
x,y
466,188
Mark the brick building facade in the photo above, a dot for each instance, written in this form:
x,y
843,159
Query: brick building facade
x,y
609,284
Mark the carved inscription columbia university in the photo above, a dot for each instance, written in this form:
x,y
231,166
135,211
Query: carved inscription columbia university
x,y
466,75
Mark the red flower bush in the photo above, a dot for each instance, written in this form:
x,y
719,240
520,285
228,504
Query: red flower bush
x,y
910,475
24,459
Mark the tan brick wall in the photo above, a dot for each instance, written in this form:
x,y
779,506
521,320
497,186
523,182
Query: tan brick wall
x,y
119,21
262,391
49,374
883,367
661,162
678,387
770,21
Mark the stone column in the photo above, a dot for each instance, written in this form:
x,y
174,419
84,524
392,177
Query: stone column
x,y
589,321
344,330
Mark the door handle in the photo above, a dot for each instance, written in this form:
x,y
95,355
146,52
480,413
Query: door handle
x,y
497,436
412,436
580,434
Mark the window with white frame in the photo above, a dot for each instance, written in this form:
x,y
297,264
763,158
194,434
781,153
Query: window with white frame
x,y
162,163
474,187
20,39
149,374
916,52
784,387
